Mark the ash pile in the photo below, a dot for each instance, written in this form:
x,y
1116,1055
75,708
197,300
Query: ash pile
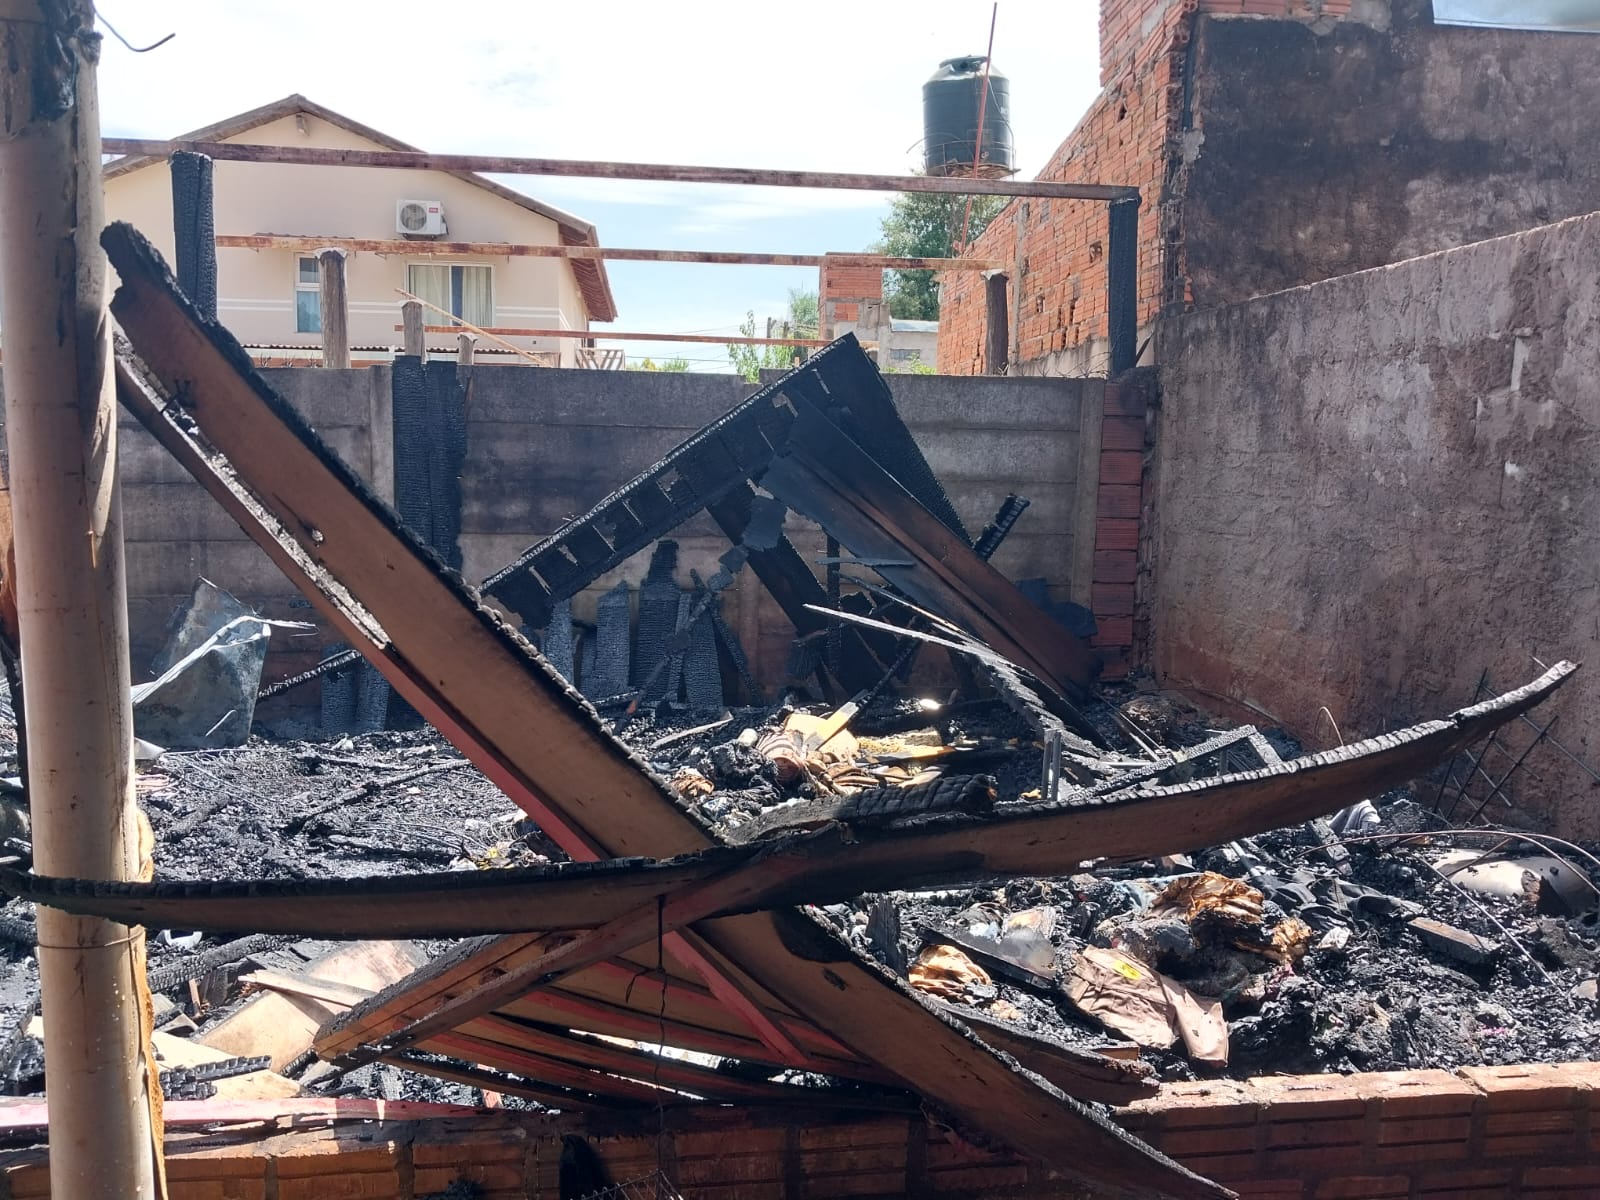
x,y
236,1012
1383,938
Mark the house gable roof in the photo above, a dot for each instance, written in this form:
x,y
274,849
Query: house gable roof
x,y
590,273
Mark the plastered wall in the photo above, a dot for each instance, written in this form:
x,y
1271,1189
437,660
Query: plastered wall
x,y
1370,491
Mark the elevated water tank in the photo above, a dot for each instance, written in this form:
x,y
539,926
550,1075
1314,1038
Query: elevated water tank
x,y
950,103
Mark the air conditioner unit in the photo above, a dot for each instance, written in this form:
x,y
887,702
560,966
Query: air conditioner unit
x,y
419,218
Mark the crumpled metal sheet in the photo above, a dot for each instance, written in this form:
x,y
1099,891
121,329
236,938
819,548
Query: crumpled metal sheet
x,y
207,674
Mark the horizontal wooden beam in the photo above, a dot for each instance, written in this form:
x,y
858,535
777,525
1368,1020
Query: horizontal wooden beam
x,y
417,160
610,336
425,249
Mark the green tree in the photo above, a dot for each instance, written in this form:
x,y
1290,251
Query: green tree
x,y
799,322
666,364
927,225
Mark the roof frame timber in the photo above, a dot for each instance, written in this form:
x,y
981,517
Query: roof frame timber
x,y
489,692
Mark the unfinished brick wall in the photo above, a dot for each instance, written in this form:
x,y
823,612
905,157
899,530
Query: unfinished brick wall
x,y
1059,246
1483,1133
1117,591
1131,135
840,289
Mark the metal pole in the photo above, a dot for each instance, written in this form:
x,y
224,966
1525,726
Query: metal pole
x,y
1122,283
417,160
61,429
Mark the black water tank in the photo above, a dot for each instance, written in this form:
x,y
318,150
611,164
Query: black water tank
x,y
950,102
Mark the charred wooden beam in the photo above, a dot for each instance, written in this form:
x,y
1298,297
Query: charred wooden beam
x,y
502,706
870,840
826,475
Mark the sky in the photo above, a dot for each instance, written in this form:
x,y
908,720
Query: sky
x,y
826,86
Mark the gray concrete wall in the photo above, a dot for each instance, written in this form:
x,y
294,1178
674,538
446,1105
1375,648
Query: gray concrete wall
x,y
544,445
1372,489
1317,148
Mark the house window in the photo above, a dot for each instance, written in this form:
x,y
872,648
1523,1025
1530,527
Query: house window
x,y
464,291
307,297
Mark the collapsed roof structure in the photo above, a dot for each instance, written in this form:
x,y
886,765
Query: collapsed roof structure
x,y
743,974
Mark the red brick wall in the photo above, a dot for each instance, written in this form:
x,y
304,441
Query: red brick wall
x,y
1116,592
1129,136
840,290
1061,249
1485,1133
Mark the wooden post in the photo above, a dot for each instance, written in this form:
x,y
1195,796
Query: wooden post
x,y
466,343
61,425
997,336
335,309
411,322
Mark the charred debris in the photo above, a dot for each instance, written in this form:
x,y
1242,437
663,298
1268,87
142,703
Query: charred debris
x,y
676,885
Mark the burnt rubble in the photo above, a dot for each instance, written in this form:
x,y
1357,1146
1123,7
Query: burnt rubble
x,y
1364,988
844,898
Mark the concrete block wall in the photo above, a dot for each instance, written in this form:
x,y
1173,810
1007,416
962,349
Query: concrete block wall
x,y
1372,489
1482,1133
545,445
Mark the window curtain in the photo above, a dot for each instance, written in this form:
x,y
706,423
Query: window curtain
x,y
432,284
477,295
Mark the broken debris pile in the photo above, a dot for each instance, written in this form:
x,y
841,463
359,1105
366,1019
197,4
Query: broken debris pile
x,y
1292,950
778,990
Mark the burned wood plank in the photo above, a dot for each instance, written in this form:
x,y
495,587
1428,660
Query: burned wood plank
x,y
783,572
467,672
828,477
486,690
1075,1071
942,832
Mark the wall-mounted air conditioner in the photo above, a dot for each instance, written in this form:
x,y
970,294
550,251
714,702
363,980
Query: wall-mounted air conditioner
x,y
419,218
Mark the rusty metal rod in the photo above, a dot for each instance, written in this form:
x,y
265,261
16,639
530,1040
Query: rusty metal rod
x,y
418,160
421,248
610,335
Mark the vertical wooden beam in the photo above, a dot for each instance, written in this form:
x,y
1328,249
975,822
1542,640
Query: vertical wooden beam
x,y
335,309
194,229
413,343
61,426
997,334
466,343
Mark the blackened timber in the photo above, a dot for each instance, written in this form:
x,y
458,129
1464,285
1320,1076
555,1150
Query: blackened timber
x,y
787,578
886,837
710,465
828,477
1075,1070
488,692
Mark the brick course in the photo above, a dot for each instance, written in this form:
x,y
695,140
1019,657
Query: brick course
x,y
1372,1137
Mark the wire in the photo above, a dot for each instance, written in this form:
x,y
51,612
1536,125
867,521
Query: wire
x,y
112,30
